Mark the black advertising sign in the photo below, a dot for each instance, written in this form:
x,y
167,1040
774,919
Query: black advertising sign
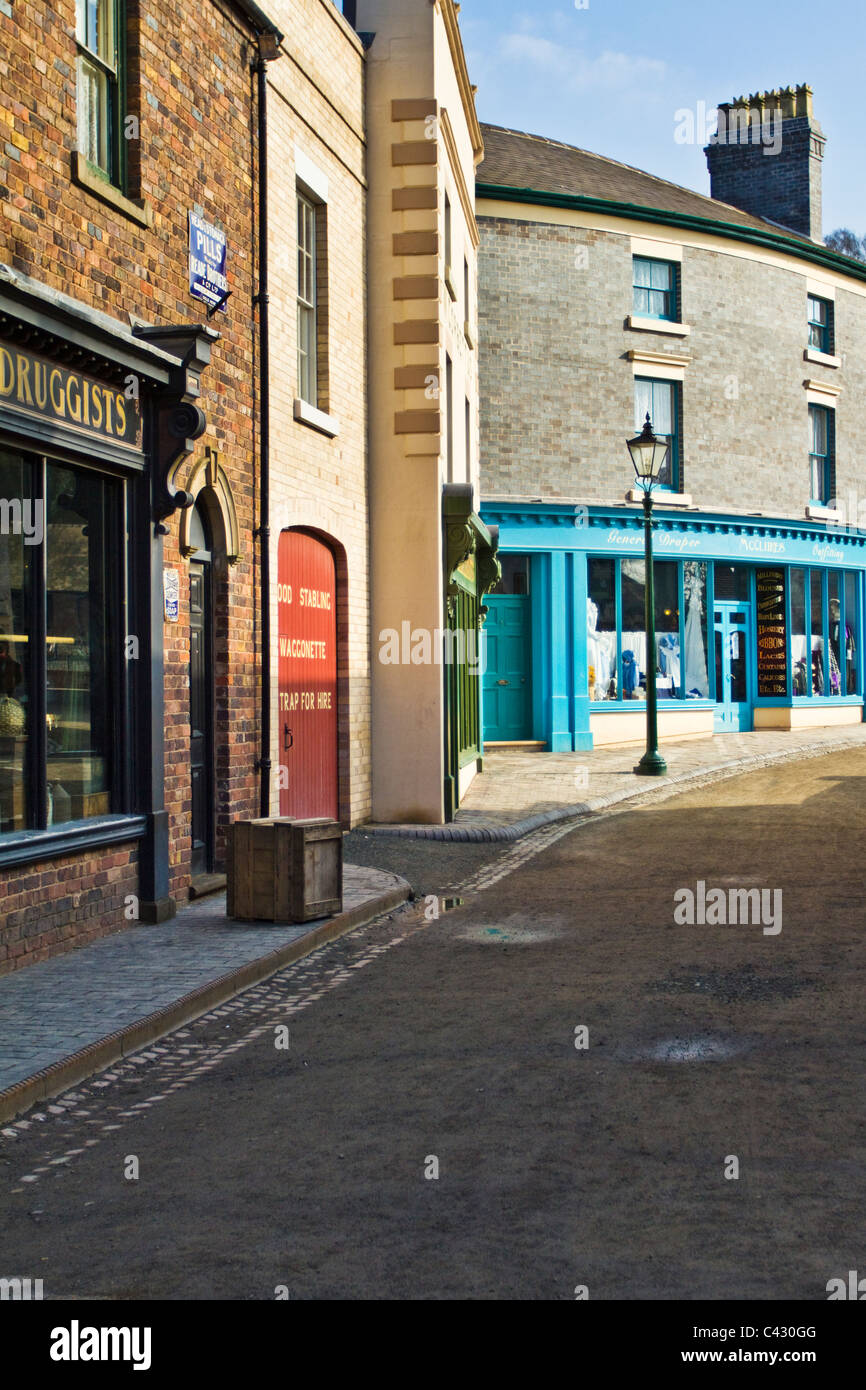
x,y
34,387
772,634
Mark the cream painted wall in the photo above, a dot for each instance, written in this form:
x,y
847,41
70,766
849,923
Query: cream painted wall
x,y
410,59
316,127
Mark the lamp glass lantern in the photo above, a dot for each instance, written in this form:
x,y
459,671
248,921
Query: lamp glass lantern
x,y
648,454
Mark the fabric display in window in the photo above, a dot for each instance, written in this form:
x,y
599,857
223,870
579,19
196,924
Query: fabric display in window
x,y
629,674
668,661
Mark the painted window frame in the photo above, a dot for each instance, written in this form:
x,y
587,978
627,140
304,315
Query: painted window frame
x,y
108,71
822,329
671,292
118,671
856,696
308,312
675,438
825,462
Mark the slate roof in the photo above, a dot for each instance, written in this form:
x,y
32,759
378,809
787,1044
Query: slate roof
x,y
519,160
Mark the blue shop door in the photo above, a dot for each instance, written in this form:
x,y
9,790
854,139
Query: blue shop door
x,y
733,668
507,686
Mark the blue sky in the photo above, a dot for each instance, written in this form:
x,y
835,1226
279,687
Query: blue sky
x,y
611,76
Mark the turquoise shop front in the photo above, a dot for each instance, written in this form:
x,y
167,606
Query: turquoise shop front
x,y
758,625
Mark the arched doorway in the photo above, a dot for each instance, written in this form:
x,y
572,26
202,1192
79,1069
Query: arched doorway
x,y
307,608
201,694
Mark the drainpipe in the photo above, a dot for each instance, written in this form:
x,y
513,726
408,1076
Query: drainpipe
x,y
268,49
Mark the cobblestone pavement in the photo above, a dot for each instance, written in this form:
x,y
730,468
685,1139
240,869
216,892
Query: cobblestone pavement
x,y
518,791
51,1010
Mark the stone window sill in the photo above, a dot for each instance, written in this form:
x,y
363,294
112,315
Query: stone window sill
x,y
828,514
661,498
642,324
84,174
467,333
68,837
307,414
824,359
449,283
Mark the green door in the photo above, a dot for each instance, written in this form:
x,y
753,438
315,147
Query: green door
x,y
507,684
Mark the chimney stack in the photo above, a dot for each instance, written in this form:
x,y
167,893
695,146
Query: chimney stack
x,y
765,158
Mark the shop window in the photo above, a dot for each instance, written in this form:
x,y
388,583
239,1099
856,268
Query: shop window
x,y
731,582
601,631
515,575
820,684
661,401
800,675
616,630
820,320
846,634
100,33
696,683
667,625
821,470
60,646
654,291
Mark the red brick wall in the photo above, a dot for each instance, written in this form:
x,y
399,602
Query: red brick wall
x,y
49,907
191,88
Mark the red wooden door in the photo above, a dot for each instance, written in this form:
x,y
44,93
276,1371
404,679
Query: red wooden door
x,y
307,603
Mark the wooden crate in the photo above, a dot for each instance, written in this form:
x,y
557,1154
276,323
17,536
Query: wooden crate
x,y
285,870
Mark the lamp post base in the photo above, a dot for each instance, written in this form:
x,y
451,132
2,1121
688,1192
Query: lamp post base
x,y
652,764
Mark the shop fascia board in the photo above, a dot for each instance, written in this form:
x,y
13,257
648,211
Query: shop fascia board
x,y
555,515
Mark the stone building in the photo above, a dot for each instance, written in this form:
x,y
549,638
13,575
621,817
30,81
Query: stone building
x,y
607,294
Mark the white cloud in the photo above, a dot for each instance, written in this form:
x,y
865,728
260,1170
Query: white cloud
x,y
607,71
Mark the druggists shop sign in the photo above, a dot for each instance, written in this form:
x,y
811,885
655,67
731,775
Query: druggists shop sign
x,y
36,388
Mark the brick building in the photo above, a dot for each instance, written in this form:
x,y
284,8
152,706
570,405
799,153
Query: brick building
x,y
607,294
129,625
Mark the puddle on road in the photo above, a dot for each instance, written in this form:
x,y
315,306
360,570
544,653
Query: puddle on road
x,y
700,1047
512,932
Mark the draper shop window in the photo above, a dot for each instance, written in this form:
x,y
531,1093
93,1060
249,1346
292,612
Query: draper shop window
x,y
821,470
825,623
661,401
616,632
100,32
60,645
307,303
847,633
655,288
820,315
601,631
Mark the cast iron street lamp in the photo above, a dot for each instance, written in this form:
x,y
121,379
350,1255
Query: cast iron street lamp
x,y
648,455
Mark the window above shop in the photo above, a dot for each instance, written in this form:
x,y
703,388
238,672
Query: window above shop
x,y
820,325
822,483
100,32
662,400
655,288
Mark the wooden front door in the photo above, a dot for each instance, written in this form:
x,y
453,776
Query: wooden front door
x,y
307,608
